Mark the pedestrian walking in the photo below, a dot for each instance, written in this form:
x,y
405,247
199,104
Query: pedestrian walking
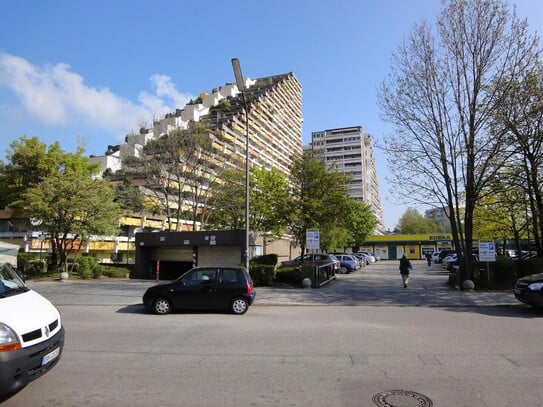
x,y
429,258
405,268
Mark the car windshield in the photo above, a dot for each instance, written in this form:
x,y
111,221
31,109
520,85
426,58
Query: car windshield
x,y
10,282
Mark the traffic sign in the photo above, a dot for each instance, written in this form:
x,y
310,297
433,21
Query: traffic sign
x,y
487,250
312,239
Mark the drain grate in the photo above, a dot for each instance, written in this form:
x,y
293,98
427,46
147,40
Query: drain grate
x,y
401,398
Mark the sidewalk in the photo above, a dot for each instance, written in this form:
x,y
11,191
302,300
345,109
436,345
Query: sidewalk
x,y
379,284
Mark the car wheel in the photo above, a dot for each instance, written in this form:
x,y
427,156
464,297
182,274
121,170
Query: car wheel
x,y
162,306
344,270
239,306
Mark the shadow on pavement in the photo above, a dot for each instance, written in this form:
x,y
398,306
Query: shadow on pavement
x,y
508,311
132,309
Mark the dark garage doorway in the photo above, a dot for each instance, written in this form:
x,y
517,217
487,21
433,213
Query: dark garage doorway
x,y
170,270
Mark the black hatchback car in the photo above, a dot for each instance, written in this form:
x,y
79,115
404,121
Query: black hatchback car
x,y
217,288
529,290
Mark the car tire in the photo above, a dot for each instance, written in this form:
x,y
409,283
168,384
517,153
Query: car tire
x,y
162,306
239,306
344,270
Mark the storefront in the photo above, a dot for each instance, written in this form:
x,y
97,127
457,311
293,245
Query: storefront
x,y
393,247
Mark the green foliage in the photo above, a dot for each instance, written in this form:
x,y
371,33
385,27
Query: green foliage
x,y
270,259
504,273
270,201
269,209
413,223
262,274
116,271
294,275
73,206
228,201
361,222
58,188
89,267
30,162
529,266
320,199
129,197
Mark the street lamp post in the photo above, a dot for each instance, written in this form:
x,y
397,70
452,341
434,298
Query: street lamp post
x,y
241,87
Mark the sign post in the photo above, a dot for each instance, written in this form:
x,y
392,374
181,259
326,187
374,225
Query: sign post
x,y
487,253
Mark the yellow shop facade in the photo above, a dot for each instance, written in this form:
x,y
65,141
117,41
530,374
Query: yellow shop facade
x,y
393,247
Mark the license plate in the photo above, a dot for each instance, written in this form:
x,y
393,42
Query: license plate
x,y
50,357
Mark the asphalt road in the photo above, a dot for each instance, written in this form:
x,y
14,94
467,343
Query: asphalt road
x,y
358,341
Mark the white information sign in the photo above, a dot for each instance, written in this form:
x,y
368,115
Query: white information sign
x,y
312,239
487,251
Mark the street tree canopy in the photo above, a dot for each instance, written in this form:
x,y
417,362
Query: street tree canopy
x,y
319,200
441,96
72,207
61,190
412,223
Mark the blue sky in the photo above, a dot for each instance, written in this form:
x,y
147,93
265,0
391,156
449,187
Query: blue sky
x,y
88,72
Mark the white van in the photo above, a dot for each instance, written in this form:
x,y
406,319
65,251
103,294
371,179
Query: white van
x,y
31,332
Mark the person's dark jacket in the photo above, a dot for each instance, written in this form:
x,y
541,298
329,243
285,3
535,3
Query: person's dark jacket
x,y
405,265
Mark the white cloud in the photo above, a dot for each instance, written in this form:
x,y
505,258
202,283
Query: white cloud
x,y
54,95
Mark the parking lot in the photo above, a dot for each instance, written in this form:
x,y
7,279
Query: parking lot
x,y
377,284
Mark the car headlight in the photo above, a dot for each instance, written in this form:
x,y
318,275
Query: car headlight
x,y
8,339
536,286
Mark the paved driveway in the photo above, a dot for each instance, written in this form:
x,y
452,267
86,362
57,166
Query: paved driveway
x,y
377,284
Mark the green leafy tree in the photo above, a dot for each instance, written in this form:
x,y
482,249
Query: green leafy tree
x,y
30,162
502,213
228,201
129,197
520,116
361,223
269,203
412,223
58,188
319,199
72,206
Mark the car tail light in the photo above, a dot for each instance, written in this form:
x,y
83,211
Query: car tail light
x,y
250,287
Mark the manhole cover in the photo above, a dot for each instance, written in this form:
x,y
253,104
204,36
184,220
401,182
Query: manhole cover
x,y
401,398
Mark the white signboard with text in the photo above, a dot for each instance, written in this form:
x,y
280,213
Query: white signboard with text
x,y
487,251
312,239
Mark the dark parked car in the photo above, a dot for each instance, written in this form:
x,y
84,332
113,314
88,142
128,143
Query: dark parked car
x,y
317,259
224,288
529,290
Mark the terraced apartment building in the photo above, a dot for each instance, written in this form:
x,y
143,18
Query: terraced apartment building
x,y
274,127
275,123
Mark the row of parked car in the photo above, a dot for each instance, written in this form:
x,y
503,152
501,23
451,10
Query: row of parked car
x,y
341,262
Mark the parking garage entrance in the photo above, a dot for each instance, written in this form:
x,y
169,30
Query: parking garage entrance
x,y
178,252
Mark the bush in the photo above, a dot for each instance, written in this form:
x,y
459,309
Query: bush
x,y
116,272
529,266
88,266
270,259
294,275
504,273
262,274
